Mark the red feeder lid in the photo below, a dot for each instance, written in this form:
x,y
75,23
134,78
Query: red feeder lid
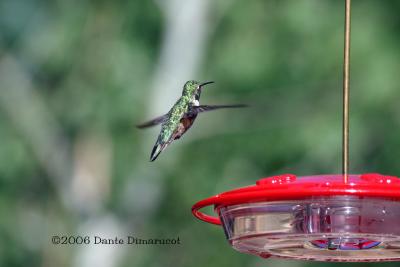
x,y
289,187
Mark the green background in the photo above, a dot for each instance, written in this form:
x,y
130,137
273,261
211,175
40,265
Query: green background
x,y
76,76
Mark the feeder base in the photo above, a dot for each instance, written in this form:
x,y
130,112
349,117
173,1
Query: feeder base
x,y
339,228
323,248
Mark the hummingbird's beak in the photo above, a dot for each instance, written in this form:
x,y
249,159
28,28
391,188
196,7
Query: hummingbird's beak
x,y
201,85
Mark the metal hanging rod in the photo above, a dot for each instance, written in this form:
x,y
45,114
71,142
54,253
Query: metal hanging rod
x,y
346,77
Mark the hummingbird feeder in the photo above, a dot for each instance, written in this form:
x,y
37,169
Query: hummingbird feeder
x,y
339,217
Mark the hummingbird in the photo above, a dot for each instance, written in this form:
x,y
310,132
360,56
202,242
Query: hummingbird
x,y
181,116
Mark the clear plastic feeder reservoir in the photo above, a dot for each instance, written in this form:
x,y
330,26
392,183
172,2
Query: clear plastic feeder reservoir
x,y
312,218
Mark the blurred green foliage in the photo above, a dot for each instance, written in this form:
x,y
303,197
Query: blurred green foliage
x,y
88,67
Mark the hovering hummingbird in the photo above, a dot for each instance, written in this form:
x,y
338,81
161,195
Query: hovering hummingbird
x,y
181,116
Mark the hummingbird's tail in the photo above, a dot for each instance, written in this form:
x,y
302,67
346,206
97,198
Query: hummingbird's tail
x,y
157,149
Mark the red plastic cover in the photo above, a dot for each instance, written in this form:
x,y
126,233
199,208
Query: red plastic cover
x,y
289,187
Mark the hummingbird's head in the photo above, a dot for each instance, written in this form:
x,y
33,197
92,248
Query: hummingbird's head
x,y
193,89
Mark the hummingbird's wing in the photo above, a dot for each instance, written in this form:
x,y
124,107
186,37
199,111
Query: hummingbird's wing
x,y
204,108
153,122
